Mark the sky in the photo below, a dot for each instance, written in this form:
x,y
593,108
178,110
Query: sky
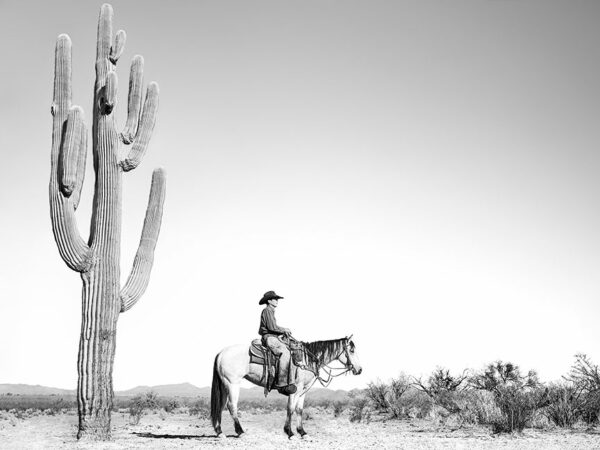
x,y
420,174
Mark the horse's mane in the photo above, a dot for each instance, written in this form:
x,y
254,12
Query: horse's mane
x,y
320,352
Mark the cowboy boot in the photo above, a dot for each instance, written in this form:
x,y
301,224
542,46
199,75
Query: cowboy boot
x,y
287,390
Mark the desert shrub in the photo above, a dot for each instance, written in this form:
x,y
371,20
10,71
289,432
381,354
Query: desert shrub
x,y
540,420
377,394
584,374
399,398
591,411
200,408
388,398
416,404
359,407
140,403
479,407
446,391
326,403
396,391
307,414
585,377
171,404
518,407
23,414
121,403
464,407
338,408
57,406
517,396
565,404
8,416
41,402
272,403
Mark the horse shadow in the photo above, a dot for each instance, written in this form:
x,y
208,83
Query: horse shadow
x,y
179,436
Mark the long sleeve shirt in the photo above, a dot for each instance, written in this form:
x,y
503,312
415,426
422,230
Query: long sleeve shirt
x,y
268,324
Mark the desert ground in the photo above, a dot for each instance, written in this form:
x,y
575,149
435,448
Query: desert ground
x,y
264,431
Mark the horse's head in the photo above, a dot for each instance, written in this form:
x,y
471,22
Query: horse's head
x,y
349,358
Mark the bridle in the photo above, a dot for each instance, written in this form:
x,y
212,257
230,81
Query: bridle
x,y
348,366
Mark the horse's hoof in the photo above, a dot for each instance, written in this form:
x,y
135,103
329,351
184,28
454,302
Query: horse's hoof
x,y
292,437
222,436
241,435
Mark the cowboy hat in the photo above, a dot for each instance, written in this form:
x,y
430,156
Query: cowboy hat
x,y
271,295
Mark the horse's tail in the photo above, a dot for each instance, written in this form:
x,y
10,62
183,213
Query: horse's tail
x,y
218,397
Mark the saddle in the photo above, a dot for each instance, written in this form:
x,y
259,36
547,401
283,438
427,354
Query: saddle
x,y
260,354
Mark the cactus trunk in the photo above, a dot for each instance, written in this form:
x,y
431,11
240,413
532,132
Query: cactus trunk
x,y
96,354
98,259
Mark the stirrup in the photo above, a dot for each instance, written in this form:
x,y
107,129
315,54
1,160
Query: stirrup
x,y
287,390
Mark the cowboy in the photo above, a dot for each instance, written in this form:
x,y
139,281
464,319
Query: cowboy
x,y
270,332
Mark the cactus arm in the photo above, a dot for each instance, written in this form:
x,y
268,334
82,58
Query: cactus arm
x,y
104,42
108,99
61,101
69,157
68,148
142,138
103,52
134,104
82,156
138,279
117,49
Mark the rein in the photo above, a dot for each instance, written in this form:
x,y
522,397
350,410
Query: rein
x,y
326,367
330,375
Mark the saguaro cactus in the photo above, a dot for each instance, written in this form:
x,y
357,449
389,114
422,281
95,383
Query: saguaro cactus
x,y
98,259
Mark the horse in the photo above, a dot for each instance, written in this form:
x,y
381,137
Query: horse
x,y
232,364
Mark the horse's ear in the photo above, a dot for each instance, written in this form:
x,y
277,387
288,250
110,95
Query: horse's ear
x,y
350,337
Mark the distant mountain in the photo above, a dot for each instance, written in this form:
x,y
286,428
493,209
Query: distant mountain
x,y
170,390
29,389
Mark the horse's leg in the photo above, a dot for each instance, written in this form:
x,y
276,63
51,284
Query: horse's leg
x,y
233,396
291,406
231,366
299,418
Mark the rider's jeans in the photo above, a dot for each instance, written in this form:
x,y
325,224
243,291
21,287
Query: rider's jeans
x,y
281,350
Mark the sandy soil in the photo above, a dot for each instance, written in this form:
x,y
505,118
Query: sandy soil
x,y
265,431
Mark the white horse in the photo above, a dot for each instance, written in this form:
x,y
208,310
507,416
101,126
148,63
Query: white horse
x,y
233,364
